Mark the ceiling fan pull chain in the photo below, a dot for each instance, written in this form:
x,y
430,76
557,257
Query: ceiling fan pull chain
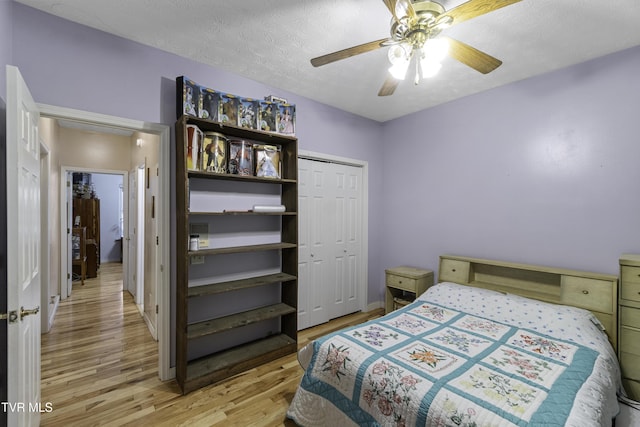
x,y
416,79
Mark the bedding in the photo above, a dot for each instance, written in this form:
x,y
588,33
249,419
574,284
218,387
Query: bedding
x,y
462,356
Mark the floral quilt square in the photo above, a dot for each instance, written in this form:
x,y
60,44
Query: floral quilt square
x,y
554,349
538,370
502,391
449,409
410,324
434,312
377,336
337,363
482,326
429,359
459,341
392,394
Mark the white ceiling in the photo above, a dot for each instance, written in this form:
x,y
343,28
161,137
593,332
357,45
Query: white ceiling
x,y
272,41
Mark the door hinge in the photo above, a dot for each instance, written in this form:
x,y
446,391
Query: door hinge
x,y
157,240
68,230
161,268
12,316
68,276
156,309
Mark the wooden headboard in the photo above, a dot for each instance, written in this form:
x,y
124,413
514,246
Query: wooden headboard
x,y
595,292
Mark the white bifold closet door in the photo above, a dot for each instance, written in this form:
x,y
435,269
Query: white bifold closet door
x,y
330,241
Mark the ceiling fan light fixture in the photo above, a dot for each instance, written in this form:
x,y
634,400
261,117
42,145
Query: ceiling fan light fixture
x,y
399,69
435,49
429,68
398,53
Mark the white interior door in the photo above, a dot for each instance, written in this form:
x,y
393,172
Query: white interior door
x,y
70,221
151,260
330,270
23,251
131,239
312,252
345,202
140,233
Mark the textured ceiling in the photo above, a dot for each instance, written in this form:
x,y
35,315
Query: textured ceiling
x,y
272,41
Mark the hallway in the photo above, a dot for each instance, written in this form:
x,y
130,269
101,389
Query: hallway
x,y
98,355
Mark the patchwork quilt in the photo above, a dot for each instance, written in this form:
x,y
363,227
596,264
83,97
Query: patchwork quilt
x,y
430,364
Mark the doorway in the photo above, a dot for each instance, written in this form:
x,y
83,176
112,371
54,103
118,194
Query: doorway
x,y
162,237
94,208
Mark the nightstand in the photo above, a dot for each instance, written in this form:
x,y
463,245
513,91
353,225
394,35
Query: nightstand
x,y
629,324
404,284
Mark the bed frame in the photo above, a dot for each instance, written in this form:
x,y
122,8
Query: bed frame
x,y
592,291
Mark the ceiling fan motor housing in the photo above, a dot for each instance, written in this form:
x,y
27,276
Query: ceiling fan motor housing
x,y
427,7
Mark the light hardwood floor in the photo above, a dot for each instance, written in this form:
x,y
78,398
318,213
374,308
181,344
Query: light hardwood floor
x,y
100,363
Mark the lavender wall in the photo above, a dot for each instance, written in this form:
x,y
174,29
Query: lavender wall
x,y
539,171
73,66
542,171
6,43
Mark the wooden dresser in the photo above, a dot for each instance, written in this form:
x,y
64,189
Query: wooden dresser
x,y
88,210
629,324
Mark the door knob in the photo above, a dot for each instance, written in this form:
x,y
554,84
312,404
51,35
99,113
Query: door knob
x,y
11,316
24,312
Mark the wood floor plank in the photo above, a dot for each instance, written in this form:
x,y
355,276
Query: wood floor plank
x,y
100,368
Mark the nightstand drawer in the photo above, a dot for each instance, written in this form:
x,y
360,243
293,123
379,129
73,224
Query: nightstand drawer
x,y
401,282
632,388
629,340
630,291
592,294
630,316
630,364
630,274
455,271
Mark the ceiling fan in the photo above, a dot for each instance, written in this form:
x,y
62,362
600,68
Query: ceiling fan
x,y
415,39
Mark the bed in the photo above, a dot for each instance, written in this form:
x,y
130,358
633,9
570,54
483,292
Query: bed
x,y
493,343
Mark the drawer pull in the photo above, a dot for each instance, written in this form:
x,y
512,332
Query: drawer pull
x,y
453,270
400,282
586,292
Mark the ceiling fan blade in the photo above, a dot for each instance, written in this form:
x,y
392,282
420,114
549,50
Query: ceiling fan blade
x,y
347,53
400,9
472,57
474,8
389,86
405,8
391,5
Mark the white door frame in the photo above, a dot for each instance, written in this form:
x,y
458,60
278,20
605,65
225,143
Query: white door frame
x,y
163,274
45,257
304,154
141,235
129,256
65,251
